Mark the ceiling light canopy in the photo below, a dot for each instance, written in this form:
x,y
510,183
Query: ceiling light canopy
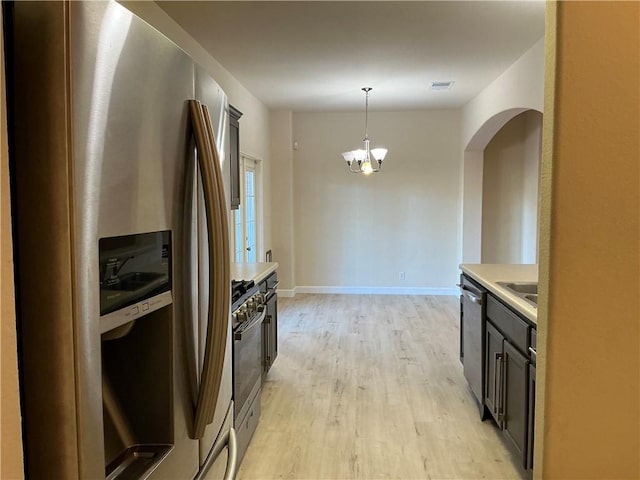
x,y
363,156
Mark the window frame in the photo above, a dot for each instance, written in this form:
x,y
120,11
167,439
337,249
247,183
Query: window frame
x,y
248,162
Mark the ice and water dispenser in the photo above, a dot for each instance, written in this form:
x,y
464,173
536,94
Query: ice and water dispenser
x,y
136,330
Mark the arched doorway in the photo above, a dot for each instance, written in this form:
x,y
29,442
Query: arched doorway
x,y
503,217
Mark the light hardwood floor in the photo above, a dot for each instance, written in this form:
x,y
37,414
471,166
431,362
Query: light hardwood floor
x,y
367,387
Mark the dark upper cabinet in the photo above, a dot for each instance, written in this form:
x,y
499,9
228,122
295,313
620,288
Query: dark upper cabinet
x,y
234,154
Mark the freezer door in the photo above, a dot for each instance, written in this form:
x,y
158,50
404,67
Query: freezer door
x,y
130,135
100,148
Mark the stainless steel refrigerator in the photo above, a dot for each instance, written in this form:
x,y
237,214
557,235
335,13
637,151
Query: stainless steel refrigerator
x,y
119,163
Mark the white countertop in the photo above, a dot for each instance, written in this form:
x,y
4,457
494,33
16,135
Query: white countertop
x,y
252,271
487,275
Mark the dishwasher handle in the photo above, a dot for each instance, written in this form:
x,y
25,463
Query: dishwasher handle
x,y
472,296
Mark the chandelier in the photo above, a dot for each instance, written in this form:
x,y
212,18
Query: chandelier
x,y
363,156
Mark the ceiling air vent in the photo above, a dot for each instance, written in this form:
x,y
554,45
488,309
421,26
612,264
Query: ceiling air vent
x,y
441,85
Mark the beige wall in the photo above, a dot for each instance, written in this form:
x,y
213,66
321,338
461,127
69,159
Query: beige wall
x,y
531,186
590,261
355,231
10,434
510,191
282,198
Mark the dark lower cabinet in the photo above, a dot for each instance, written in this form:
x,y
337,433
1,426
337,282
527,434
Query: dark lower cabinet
x,y
493,374
270,333
531,415
270,324
461,330
498,354
515,399
507,390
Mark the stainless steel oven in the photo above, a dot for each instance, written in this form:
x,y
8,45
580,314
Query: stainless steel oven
x,y
248,314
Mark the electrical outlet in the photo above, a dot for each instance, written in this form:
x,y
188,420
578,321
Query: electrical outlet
x,y
401,275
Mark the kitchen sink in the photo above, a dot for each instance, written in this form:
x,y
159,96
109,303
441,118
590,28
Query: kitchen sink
x,y
521,288
528,291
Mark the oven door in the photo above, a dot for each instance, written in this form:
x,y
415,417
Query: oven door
x,y
247,361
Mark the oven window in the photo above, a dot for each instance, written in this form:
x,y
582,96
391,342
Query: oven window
x,y
247,365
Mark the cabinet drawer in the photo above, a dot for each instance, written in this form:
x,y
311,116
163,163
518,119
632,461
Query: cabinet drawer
x,y
513,327
269,283
272,281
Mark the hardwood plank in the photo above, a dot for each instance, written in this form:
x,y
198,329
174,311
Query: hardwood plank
x,y
371,387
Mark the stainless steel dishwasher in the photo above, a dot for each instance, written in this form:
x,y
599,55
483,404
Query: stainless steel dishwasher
x,y
472,332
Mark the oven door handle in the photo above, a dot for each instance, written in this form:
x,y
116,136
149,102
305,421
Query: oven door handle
x,y
243,330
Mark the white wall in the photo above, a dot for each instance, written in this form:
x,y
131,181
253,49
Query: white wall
x,y
510,192
254,124
518,89
357,232
521,87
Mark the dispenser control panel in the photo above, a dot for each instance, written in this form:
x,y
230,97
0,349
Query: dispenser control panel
x,y
133,270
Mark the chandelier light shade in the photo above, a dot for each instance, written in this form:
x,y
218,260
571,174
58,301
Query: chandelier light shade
x,y
365,160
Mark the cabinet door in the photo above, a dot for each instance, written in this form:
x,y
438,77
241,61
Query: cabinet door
x,y
270,334
234,155
273,338
531,416
461,330
493,374
515,399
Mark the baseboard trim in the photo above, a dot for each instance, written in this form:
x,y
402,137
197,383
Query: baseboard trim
x,y
290,293
376,290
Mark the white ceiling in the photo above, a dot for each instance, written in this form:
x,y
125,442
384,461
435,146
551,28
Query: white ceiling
x,y
316,56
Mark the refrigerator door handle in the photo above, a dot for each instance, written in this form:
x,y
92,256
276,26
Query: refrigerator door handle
x,y
228,439
232,458
216,328
224,266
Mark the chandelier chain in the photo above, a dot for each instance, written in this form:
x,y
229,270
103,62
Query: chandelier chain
x,y
366,112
